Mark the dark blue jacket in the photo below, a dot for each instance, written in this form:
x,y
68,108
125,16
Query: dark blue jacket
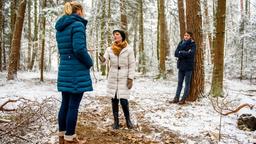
x,y
185,53
75,62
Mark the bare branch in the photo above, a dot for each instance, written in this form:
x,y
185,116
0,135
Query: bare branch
x,y
9,101
219,108
239,108
4,121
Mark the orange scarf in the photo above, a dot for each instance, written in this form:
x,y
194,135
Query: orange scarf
x,y
117,48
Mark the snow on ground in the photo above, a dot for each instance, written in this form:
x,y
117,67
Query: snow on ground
x,y
195,122
197,119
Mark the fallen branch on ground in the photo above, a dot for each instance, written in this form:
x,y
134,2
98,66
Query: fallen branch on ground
x,y
10,101
221,110
27,118
4,121
239,108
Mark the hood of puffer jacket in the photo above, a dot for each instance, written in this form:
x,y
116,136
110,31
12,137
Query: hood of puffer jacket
x,y
67,20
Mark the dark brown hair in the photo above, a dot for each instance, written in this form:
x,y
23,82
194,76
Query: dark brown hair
x,y
191,34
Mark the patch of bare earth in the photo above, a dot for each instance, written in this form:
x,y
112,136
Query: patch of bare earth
x,y
95,126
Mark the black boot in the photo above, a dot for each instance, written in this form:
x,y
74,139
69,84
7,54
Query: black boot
x,y
125,106
115,113
175,100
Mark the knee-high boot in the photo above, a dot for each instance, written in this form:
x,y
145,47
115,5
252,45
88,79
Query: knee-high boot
x,y
115,113
125,106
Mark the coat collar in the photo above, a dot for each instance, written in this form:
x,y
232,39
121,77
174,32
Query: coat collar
x,y
124,49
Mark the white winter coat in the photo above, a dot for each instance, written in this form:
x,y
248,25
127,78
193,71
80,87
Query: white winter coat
x,y
117,78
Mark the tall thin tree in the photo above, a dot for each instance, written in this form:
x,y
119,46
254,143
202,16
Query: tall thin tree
x,y
16,41
1,32
97,28
35,38
241,31
158,32
135,25
12,20
109,34
162,39
218,62
4,64
124,24
109,23
43,43
29,34
207,32
103,34
142,63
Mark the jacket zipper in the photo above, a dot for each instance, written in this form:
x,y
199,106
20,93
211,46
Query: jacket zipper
x,y
117,78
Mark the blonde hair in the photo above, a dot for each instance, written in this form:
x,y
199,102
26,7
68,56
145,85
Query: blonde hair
x,y
72,7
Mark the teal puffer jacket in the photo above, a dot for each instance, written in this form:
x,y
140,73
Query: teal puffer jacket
x,y
75,62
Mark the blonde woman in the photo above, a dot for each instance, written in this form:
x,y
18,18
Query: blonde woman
x,y
121,74
74,69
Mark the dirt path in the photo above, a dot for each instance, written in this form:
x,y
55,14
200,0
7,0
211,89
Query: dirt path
x,y
95,125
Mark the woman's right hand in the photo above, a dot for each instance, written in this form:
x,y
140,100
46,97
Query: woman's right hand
x,y
101,57
129,83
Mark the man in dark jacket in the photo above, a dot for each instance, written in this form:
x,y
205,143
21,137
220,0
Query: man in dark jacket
x,y
185,53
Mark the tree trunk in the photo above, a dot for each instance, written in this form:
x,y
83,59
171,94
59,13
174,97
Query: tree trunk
x,y
94,34
110,23
166,35
4,34
194,24
142,63
181,18
241,31
1,32
162,39
123,15
124,24
97,45
208,34
29,34
247,9
135,25
35,39
158,33
103,34
12,21
4,64
43,45
218,62
167,44
16,41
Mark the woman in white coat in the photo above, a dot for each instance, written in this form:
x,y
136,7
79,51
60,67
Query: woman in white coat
x,y
121,74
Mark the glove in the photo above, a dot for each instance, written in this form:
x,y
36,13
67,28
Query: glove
x,y
129,83
102,59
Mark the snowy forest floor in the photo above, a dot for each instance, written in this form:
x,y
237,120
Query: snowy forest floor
x,y
155,119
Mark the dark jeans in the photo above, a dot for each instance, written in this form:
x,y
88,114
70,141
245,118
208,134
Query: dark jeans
x,y
187,75
67,117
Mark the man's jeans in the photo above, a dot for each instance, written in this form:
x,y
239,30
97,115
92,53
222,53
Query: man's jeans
x,y
187,75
